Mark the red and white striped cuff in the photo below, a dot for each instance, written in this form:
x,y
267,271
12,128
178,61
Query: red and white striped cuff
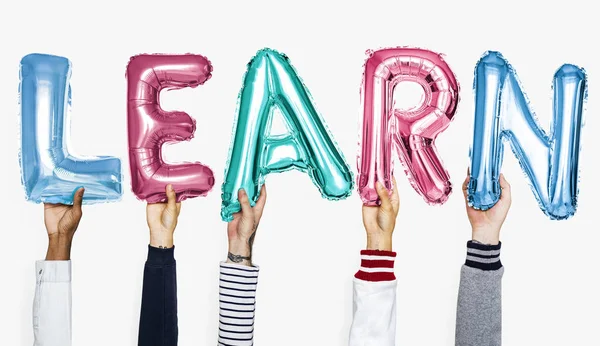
x,y
376,265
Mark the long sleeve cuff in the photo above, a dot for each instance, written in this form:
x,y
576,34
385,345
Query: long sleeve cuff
x,y
484,257
53,271
376,266
160,257
237,299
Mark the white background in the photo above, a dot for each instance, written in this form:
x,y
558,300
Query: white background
x,y
307,247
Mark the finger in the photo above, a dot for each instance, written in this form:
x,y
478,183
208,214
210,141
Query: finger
x,y
505,194
260,204
78,200
262,199
384,196
244,202
395,199
171,198
465,185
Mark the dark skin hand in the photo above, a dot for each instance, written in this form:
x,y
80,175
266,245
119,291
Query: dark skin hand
x,y
61,222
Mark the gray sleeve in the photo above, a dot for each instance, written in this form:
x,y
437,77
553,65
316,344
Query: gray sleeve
x,y
479,310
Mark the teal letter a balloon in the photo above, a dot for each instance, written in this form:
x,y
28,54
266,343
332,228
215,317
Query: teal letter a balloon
x,y
272,82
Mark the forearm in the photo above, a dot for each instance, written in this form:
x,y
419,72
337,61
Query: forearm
x,y
374,308
237,294
479,309
59,247
158,317
379,241
52,304
237,299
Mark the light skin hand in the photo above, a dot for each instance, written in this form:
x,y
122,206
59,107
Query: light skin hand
x,y
242,230
380,221
486,224
162,219
61,222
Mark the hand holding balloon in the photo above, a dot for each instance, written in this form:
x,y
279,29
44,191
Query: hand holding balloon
x,y
486,224
162,219
380,221
61,222
242,230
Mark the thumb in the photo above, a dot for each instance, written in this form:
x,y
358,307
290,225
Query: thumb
x,y
505,193
465,186
244,203
384,196
78,200
171,198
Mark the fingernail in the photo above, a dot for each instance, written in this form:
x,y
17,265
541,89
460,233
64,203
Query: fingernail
x,y
77,190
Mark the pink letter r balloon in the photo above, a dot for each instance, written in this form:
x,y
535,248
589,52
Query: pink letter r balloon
x,y
150,127
411,132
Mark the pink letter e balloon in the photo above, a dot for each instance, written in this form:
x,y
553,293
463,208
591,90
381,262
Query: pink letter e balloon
x,y
149,126
411,132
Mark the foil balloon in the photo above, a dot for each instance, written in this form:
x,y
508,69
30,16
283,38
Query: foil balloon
x,y
50,172
272,83
410,133
550,160
149,126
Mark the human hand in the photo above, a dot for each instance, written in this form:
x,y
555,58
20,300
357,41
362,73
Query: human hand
x,y
380,221
162,220
61,222
242,230
486,224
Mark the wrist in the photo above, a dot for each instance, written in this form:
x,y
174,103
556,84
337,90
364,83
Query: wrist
x,y
59,247
382,242
161,239
240,247
483,257
486,235
239,252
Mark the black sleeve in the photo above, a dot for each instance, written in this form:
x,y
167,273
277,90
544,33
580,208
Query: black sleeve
x,y
158,317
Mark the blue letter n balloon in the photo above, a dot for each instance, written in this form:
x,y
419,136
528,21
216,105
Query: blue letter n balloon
x,y
271,83
550,161
49,172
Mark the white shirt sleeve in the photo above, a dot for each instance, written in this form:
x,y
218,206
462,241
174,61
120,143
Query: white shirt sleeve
x,y
52,304
374,314
374,307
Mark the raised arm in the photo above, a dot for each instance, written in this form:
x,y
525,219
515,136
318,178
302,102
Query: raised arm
x,y
374,308
158,317
479,310
239,276
52,301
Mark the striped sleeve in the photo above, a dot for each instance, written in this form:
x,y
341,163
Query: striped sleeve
x,y
376,265
237,298
484,257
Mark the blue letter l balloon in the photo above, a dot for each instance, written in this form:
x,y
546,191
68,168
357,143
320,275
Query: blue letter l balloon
x,y
549,161
271,82
49,172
